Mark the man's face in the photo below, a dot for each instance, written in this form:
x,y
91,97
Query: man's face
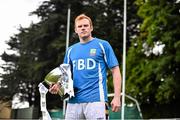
x,y
83,28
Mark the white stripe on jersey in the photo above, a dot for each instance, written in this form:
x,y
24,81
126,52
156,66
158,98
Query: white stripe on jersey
x,y
69,55
101,90
102,47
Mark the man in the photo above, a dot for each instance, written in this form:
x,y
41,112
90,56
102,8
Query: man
x,y
89,60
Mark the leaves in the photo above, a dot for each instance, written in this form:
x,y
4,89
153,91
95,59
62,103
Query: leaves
x,y
154,78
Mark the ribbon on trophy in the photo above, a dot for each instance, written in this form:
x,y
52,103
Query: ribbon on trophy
x,y
43,91
62,76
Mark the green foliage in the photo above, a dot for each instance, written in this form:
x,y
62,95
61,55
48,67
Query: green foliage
x,y
153,78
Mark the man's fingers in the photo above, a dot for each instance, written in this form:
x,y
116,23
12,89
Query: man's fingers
x,y
53,89
115,108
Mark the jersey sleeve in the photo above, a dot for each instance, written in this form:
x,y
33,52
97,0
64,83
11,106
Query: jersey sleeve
x,y
110,57
67,56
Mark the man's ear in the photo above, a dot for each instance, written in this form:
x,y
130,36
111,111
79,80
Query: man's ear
x,y
91,28
75,30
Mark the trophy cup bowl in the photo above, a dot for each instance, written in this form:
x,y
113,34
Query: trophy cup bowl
x,y
58,75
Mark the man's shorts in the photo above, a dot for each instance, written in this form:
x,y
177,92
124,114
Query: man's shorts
x,y
89,111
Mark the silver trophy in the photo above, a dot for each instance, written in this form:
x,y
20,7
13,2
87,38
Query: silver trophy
x,y
62,76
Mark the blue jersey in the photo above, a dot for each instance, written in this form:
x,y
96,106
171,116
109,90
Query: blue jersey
x,y
89,62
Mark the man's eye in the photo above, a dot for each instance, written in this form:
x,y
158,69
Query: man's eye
x,y
85,25
79,26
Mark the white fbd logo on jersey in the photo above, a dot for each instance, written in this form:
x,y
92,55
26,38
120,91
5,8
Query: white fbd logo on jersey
x,y
82,64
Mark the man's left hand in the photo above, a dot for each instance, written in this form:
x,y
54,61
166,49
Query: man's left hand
x,y
116,104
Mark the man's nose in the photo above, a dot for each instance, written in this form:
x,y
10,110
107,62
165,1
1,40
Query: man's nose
x,y
83,28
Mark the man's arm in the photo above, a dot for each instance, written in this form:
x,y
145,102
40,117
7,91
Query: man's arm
x,y
115,103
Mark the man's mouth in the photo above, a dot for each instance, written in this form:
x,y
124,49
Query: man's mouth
x,y
83,32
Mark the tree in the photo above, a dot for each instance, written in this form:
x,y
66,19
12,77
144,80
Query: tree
x,y
153,75
40,48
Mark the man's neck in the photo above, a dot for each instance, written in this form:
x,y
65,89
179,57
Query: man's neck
x,y
85,40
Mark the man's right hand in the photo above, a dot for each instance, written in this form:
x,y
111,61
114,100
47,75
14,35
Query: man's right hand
x,y
54,88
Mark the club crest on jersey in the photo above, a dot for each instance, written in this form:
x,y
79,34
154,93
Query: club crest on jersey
x,y
92,52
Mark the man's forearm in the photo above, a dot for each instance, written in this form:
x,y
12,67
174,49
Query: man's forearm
x,y
116,81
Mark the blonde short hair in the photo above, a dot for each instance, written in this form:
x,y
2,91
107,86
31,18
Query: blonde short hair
x,y
83,16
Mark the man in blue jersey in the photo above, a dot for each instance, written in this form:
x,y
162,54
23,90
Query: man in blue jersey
x,y
89,60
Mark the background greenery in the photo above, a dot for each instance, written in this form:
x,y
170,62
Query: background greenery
x,y
151,77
